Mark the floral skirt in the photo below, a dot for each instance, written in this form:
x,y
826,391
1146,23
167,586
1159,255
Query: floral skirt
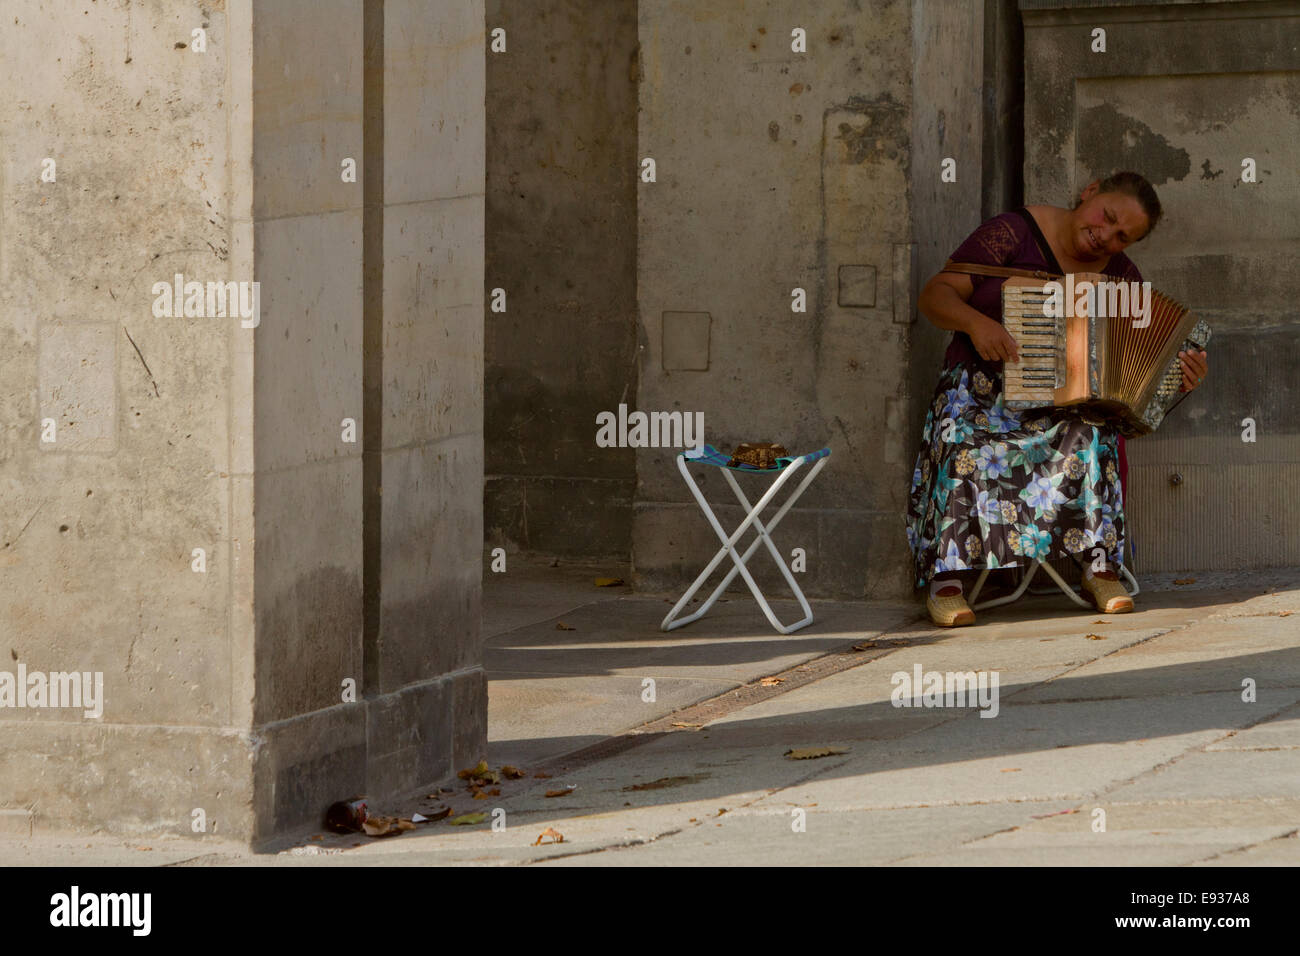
x,y
996,488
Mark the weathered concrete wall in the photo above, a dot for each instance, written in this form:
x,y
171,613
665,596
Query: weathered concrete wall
x,y
424,658
368,562
308,72
819,171
223,689
956,115
561,242
1002,93
777,170
1185,92
99,524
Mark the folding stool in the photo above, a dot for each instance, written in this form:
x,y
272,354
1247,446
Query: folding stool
x,y
786,467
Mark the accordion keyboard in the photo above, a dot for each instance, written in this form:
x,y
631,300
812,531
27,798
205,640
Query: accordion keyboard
x,y
1041,341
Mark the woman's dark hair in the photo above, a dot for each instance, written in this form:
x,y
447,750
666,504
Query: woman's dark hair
x,y
1135,185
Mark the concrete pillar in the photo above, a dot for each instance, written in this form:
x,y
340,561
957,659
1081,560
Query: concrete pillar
x,y
423,653
200,530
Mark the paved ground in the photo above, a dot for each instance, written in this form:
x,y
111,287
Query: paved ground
x,y
1132,746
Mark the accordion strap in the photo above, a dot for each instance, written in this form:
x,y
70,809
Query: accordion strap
x,y
975,268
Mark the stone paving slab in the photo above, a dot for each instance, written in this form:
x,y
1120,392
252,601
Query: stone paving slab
x,y
1147,723
534,720
830,837
1222,775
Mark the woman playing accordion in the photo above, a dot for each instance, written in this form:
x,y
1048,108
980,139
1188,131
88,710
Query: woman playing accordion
x,y
994,487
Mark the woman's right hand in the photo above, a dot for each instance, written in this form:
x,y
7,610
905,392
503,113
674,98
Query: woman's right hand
x,y
993,342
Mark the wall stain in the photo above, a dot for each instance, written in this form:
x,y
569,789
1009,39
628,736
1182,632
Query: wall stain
x,y
1109,140
884,135
308,633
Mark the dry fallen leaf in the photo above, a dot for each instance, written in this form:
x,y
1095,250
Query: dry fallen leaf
x,y
608,582
467,818
1285,613
561,793
1010,770
479,796
865,645
541,775
561,626
386,826
479,776
1184,580
721,811
1095,637
811,753
771,681
555,835
682,723
512,773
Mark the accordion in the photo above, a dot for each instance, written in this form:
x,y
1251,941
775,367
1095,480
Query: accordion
x,y
1109,347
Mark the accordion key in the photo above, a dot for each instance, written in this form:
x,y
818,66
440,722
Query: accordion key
x,y
1100,351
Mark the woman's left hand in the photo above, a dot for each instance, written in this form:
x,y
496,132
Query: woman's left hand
x,y
1195,367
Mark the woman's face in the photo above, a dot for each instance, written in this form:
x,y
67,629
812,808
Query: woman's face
x,y
1104,224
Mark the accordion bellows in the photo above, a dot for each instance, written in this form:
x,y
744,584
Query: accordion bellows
x,y
1110,360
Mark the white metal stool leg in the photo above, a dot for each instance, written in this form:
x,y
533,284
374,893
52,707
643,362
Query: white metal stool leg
x,y
1070,592
1123,569
1061,583
1024,586
671,622
764,535
1006,599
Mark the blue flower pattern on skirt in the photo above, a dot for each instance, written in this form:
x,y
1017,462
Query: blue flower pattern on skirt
x,y
995,487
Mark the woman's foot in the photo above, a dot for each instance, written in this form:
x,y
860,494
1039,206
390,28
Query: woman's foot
x,y
947,605
1107,593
